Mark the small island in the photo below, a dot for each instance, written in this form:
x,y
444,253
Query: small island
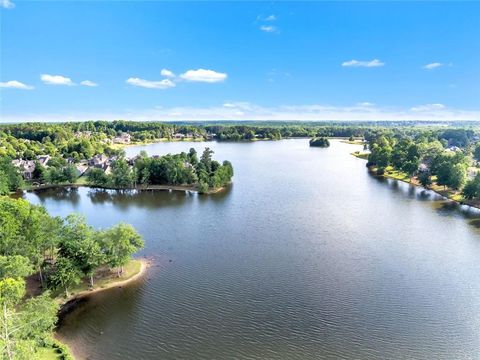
x,y
320,142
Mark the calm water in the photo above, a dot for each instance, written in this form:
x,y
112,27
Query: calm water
x,y
306,256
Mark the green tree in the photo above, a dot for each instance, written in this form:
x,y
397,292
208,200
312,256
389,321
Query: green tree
x,y
120,243
15,266
97,177
122,176
65,275
425,179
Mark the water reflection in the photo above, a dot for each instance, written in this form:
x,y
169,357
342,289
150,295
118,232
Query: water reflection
x,y
305,257
66,194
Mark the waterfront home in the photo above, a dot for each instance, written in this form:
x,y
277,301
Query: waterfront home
x,y
131,161
98,161
81,168
122,139
178,136
26,167
85,134
43,159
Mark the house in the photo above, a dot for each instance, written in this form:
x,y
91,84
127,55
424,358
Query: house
x,y
178,136
43,159
453,148
81,168
122,139
422,167
85,134
26,167
98,161
131,161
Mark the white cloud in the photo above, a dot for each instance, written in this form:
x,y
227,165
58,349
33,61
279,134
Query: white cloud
x,y
56,80
167,73
270,18
203,75
162,84
89,83
356,63
428,107
365,104
433,66
7,4
14,84
269,28
249,111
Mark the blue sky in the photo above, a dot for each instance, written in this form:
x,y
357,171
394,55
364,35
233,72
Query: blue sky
x,y
81,60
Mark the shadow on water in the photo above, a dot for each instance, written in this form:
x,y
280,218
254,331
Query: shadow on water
x,y
59,194
442,206
125,199
218,197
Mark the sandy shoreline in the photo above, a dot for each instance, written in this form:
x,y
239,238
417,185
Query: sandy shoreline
x,y
73,301
144,264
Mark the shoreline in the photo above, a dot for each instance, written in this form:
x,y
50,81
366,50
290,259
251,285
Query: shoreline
x,y
184,188
71,303
446,194
144,264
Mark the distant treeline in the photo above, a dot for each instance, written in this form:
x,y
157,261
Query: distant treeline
x,y
82,140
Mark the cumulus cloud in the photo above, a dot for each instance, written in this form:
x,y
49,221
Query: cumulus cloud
x,y
89,83
203,75
167,73
7,4
357,63
433,66
149,84
14,84
428,107
56,80
269,28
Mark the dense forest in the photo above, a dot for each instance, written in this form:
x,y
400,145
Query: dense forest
x,y
59,253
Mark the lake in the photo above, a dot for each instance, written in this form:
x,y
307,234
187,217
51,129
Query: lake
x,y
305,256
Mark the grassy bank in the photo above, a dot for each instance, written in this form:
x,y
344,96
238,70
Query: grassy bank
x,y
360,155
153,141
105,278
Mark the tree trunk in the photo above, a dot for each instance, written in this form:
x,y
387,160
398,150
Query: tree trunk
x,y
91,280
40,275
66,292
118,271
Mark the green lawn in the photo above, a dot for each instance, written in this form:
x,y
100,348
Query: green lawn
x,y
48,354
